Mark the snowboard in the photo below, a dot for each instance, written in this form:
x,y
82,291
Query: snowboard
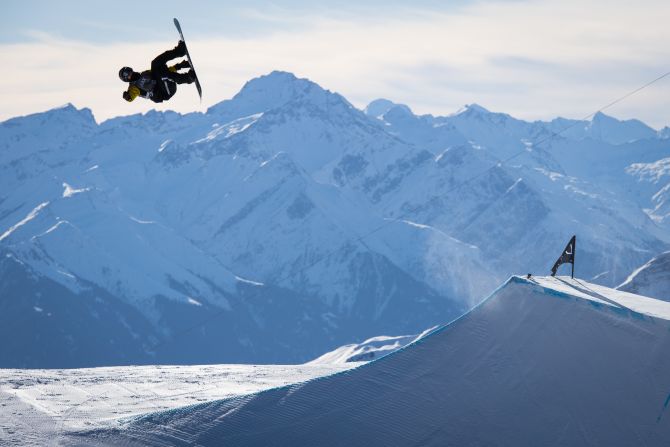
x,y
188,56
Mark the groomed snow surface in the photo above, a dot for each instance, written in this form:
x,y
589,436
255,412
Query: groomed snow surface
x,y
38,407
545,361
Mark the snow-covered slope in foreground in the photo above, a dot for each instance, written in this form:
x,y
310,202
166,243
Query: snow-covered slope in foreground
x,y
38,405
549,361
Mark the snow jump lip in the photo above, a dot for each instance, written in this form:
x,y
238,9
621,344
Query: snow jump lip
x,y
511,280
493,367
143,417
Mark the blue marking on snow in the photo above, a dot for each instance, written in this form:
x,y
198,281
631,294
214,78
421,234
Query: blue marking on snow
x,y
620,310
596,304
640,316
665,406
545,290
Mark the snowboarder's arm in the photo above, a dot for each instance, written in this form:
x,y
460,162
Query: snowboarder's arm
x,y
132,93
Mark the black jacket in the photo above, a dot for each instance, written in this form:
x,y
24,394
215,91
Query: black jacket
x,y
147,85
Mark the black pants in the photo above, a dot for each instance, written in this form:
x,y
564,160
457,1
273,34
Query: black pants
x,y
166,80
160,69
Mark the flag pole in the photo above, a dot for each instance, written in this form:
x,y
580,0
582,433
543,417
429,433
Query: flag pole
x,y
574,256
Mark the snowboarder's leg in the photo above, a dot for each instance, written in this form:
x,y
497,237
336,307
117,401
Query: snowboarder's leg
x,y
183,64
181,78
160,62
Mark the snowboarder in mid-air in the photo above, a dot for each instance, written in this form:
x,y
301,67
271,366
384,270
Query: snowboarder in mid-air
x,y
160,82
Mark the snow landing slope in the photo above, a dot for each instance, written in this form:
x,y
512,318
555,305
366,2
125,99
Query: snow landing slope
x,y
550,361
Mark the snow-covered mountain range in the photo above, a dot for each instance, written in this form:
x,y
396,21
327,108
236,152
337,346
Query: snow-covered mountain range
x,y
652,279
285,222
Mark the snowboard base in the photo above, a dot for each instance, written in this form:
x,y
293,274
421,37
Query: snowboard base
x,y
188,56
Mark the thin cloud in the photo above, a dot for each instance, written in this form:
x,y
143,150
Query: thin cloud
x,y
536,59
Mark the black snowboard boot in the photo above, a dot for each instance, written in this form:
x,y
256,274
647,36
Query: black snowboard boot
x,y
181,48
182,64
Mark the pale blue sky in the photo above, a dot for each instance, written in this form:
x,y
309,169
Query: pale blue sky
x,y
534,59
124,20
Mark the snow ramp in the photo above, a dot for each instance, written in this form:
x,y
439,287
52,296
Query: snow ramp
x,y
545,361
